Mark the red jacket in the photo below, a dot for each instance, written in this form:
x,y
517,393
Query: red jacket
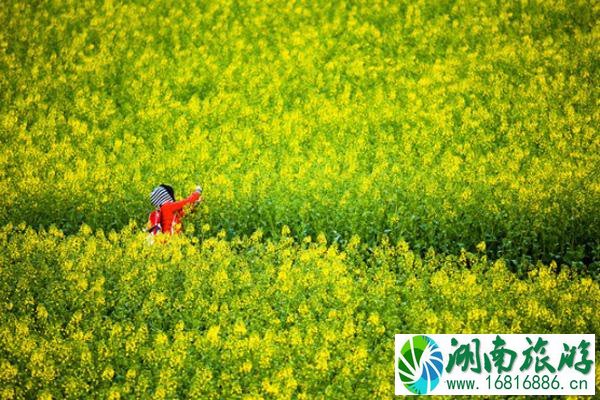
x,y
168,218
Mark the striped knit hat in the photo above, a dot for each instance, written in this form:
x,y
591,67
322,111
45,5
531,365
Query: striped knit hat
x,y
161,195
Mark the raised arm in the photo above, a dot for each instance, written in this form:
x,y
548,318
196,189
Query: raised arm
x,y
178,205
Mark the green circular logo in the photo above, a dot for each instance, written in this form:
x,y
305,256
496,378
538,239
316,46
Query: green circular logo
x,y
420,364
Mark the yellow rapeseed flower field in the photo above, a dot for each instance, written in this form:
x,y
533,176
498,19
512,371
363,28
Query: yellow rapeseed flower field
x,y
444,124
249,318
369,168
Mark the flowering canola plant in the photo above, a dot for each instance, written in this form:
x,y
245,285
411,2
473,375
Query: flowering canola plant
x,y
444,124
110,315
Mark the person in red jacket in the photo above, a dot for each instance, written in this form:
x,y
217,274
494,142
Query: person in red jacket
x,y
167,216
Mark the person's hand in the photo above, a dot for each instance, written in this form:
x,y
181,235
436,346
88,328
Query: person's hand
x,y
199,191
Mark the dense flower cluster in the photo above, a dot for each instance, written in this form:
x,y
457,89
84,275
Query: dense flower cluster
x,y
250,318
443,123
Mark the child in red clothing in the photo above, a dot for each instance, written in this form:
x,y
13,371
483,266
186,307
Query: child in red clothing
x,y
167,216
